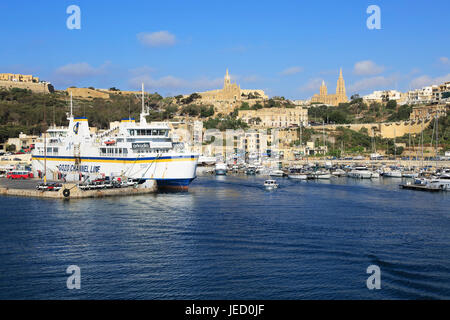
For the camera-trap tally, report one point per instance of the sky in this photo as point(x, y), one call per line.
point(286, 48)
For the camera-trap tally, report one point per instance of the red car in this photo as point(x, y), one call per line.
point(19, 175)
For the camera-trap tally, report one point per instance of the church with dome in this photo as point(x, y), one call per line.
point(230, 96)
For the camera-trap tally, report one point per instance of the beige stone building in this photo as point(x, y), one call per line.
point(332, 99)
point(18, 77)
point(24, 141)
point(10, 80)
point(275, 117)
point(428, 112)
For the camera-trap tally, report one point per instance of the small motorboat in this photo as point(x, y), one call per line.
point(393, 174)
point(375, 174)
point(410, 174)
point(322, 175)
point(297, 174)
point(339, 173)
point(251, 170)
point(360, 172)
point(277, 173)
point(270, 184)
point(221, 169)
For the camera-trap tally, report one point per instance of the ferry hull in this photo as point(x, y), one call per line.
point(168, 171)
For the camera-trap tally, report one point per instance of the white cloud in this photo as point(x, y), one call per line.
point(156, 39)
point(367, 68)
point(81, 70)
point(141, 70)
point(312, 85)
point(426, 80)
point(372, 83)
point(252, 78)
point(73, 73)
point(291, 70)
point(445, 61)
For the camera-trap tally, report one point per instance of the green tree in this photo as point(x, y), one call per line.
point(11, 148)
point(391, 105)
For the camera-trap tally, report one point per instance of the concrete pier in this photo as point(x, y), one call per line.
point(28, 190)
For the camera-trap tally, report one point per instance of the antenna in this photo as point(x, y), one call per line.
point(144, 112)
point(71, 105)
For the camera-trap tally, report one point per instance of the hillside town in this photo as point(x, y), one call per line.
point(231, 123)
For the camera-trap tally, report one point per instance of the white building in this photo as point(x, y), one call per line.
point(384, 96)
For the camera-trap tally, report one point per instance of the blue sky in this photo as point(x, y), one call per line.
point(284, 47)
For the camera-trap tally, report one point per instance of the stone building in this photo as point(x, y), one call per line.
point(428, 112)
point(332, 99)
point(10, 80)
point(275, 117)
point(24, 141)
point(18, 77)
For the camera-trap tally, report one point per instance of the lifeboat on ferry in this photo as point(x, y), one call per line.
point(110, 142)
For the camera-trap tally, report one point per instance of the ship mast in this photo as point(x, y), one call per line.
point(71, 106)
point(144, 112)
point(143, 102)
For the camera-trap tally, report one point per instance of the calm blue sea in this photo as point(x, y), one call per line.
point(228, 238)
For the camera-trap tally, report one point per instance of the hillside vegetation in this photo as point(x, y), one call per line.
point(357, 111)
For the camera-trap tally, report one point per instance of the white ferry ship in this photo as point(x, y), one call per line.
point(134, 150)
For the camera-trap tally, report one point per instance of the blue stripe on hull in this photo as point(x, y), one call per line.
point(173, 182)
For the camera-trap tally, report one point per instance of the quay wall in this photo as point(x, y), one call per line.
point(76, 193)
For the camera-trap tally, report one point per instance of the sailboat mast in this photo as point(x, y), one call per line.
point(437, 139)
point(409, 146)
point(395, 146)
point(421, 138)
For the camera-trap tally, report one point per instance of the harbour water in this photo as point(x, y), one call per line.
point(229, 238)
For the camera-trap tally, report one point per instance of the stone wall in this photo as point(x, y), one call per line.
point(87, 93)
point(385, 130)
point(39, 87)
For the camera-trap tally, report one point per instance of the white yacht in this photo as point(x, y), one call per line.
point(277, 173)
point(322, 175)
point(339, 173)
point(394, 173)
point(297, 174)
point(360, 172)
point(141, 151)
point(442, 182)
